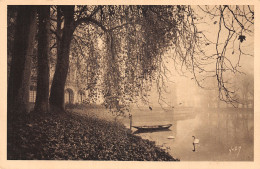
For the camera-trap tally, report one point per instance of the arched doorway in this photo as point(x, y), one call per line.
point(69, 96)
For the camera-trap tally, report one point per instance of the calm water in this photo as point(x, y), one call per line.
point(224, 135)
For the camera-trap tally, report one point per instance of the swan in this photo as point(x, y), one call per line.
point(195, 141)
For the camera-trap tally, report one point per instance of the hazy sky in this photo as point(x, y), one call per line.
point(187, 89)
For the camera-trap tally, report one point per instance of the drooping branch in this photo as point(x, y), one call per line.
point(140, 36)
point(90, 20)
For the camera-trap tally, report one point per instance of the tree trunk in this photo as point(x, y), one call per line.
point(20, 71)
point(42, 97)
point(59, 79)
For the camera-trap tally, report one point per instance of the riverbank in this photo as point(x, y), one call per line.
point(76, 136)
point(224, 134)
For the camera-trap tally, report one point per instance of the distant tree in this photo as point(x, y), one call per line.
point(245, 90)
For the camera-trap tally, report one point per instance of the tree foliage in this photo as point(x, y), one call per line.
point(135, 39)
point(120, 51)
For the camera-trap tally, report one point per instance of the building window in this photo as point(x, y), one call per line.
point(81, 96)
point(66, 97)
point(69, 96)
point(32, 96)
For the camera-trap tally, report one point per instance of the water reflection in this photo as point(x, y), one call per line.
point(224, 134)
point(228, 135)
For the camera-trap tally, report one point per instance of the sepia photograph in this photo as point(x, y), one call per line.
point(129, 82)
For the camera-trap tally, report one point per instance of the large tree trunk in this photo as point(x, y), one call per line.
point(20, 71)
point(42, 97)
point(59, 79)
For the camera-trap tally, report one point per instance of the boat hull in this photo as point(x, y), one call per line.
point(153, 128)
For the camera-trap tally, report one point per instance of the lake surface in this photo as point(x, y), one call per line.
point(224, 134)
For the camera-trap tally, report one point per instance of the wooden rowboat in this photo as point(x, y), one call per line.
point(153, 127)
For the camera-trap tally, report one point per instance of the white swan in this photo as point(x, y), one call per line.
point(195, 141)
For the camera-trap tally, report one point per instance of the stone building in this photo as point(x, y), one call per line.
point(74, 92)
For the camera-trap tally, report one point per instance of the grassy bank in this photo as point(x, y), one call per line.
point(74, 136)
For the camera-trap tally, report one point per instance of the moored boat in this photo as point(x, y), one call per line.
point(153, 127)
